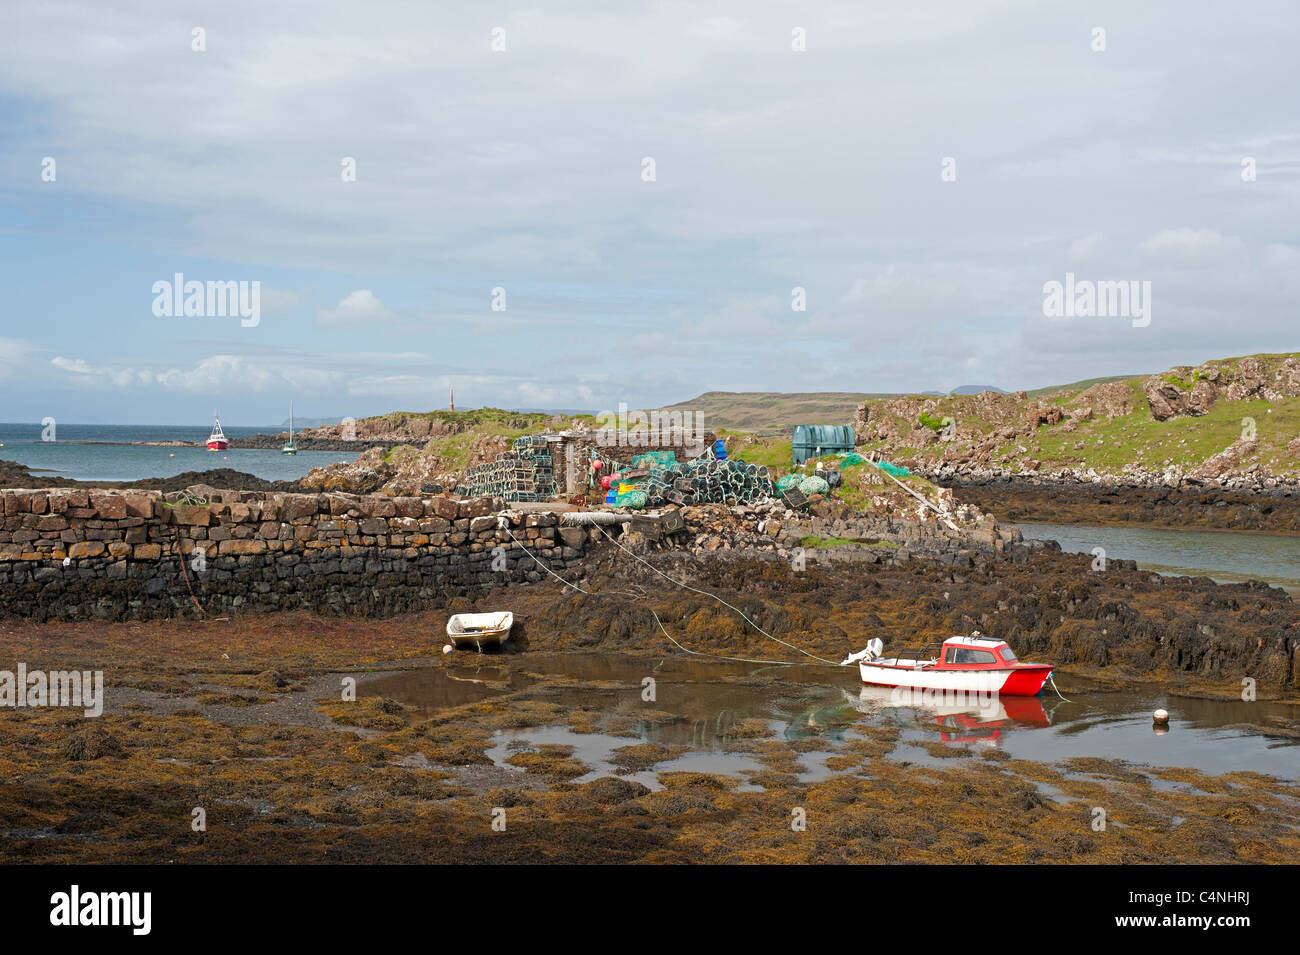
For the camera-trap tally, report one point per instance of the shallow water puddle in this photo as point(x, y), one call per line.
point(431, 689)
point(713, 709)
point(596, 750)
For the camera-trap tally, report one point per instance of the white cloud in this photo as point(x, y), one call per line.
point(74, 365)
point(776, 169)
point(359, 307)
point(1191, 244)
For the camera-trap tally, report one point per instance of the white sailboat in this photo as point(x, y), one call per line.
point(290, 448)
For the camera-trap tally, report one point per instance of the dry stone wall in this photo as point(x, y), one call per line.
point(69, 554)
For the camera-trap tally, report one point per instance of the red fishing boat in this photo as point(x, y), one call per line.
point(217, 439)
point(972, 664)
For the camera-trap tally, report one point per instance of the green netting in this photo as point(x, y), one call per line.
point(814, 485)
point(851, 459)
point(632, 499)
point(789, 481)
point(893, 469)
point(652, 459)
point(701, 481)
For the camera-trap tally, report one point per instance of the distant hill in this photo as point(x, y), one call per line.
point(1079, 385)
point(771, 411)
point(975, 389)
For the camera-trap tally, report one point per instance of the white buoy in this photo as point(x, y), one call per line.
point(447, 648)
point(1160, 717)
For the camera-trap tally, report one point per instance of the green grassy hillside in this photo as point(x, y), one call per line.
point(1228, 415)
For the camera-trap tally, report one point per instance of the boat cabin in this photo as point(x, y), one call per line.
point(976, 651)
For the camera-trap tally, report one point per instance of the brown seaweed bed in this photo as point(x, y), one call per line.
point(243, 719)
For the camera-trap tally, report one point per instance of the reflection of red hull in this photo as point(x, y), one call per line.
point(1026, 710)
point(218, 445)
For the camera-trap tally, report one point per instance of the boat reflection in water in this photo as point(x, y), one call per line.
point(962, 716)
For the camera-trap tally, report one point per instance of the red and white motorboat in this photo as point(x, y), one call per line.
point(217, 439)
point(973, 664)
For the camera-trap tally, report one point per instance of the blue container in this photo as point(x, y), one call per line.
point(809, 440)
point(720, 449)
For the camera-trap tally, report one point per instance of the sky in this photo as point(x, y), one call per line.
point(659, 199)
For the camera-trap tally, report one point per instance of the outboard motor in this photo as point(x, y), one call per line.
point(873, 650)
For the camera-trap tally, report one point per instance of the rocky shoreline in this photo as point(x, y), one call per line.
point(274, 442)
point(14, 475)
point(247, 721)
point(1267, 507)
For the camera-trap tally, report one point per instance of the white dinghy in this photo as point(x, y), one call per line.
point(480, 629)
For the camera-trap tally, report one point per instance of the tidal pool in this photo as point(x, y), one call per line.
point(711, 709)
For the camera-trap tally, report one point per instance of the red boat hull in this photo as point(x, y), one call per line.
point(1020, 681)
point(218, 445)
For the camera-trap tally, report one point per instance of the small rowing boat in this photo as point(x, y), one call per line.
point(972, 664)
point(480, 629)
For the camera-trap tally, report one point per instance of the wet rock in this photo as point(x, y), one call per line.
point(610, 790)
point(92, 742)
point(271, 680)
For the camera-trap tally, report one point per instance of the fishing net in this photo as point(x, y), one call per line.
point(814, 485)
point(652, 459)
point(634, 499)
point(893, 469)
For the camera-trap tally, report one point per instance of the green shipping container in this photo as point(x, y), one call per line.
point(812, 439)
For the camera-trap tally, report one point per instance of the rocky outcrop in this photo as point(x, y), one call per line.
point(404, 469)
point(1187, 391)
point(1192, 505)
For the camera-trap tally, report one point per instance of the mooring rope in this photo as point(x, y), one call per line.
point(186, 499)
point(502, 523)
point(1051, 678)
point(721, 656)
point(705, 593)
point(180, 559)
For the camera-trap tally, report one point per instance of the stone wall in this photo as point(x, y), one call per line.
point(68, 554)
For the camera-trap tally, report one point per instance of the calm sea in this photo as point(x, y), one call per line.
point(1220, 555)
point(123, 462)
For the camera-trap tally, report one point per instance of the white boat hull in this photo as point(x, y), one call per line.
point(1023, 680)
point(480, 629)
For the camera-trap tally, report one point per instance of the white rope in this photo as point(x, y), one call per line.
point(700, 653)
point(503, 524)
point(705, 593)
